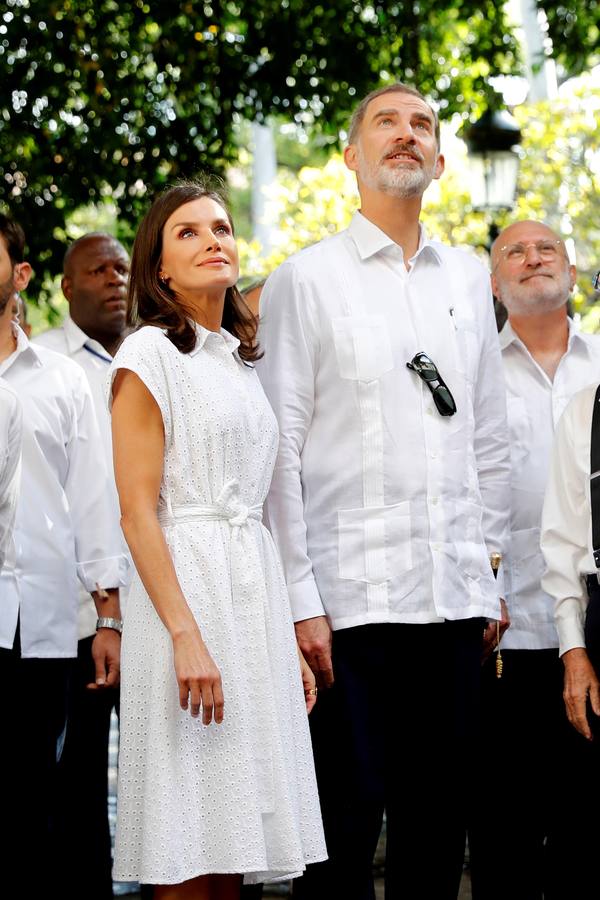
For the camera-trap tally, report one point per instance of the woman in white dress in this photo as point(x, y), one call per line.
point(216, 776)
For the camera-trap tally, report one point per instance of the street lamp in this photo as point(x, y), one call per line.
point(491, 143)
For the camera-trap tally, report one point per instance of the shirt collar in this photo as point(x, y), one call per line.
point(24, 346)
point(77, 339)
point(203, 334)
point(507, 336)
point(370, 239)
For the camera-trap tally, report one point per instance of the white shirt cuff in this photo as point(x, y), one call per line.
point(570, 634)
point(305, 600)
point(500, 582)
point(107, 573)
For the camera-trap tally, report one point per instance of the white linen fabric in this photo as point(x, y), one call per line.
point(71, 341)
point(382, 509)
point(11, 430)
point(241, 796)
point(567, 522)
point(534, 406)
point(63, 527)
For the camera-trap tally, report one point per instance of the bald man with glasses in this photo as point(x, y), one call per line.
point(521, 833)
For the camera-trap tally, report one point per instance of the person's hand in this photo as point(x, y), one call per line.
point(494, 631)
point(314, 640)
point(580, 683)
point(106, 653)
point(198, 677)
point(309, 682)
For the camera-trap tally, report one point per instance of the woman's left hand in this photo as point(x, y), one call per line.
point(308, 682)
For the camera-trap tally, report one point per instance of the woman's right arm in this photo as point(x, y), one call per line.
point(138, 448)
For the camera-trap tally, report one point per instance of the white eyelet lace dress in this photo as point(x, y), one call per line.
point(239, 797)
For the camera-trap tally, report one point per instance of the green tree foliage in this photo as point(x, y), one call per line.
point(113, 99)
point(574, 29)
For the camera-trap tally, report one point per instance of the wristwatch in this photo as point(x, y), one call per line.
point(106, 622)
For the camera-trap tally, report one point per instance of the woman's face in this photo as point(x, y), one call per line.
point(199, 253)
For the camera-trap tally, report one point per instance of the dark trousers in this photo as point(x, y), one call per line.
point(395, 733)
point(83, 774)
point(33, 698)
point(532, 798)
point(592, 640)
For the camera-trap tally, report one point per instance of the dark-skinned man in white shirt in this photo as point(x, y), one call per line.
point(94, 282)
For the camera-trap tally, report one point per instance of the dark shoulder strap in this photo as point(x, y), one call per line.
point(595, 478)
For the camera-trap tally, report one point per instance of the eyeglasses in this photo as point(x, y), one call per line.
point(427, 371)
point(517, 253)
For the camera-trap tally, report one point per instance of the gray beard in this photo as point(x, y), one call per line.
point(402, 183)
point(552, 296)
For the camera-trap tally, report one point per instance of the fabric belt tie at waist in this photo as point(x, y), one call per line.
point(237, 516)
point(227, 507)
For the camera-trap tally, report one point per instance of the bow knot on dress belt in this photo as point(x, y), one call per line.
point(226, 507)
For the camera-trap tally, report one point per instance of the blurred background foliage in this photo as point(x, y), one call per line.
point(106, 102)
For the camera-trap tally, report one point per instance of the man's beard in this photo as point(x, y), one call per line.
point(402, 181)
point(535, 300)
point(7, 292)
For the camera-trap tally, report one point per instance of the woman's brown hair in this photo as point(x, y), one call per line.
point(151, 302)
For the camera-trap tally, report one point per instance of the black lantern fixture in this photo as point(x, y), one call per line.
point(494, 162)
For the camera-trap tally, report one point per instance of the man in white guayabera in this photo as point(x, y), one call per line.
point(389, 495)
point(525, 732)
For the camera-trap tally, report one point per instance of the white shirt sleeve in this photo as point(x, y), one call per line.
point(566, 522)
point(289, 337)
point(98, 551)
point(492, 451)
point(10, 466)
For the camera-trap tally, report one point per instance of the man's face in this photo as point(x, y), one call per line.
point(531, 273)
point(396, 151)
point(95, 284)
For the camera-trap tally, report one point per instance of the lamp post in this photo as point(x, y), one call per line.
point(491, 143)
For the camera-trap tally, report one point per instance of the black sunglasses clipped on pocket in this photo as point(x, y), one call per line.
point(427, 371)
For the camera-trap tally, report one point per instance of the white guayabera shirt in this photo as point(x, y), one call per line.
point(64, 527)
point(567, 521)
point(11, 427)
point(95, 361)
point(534, 405)
point(382, 509)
